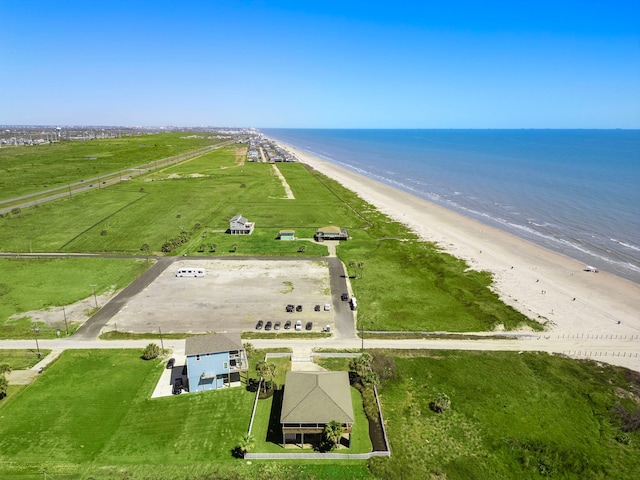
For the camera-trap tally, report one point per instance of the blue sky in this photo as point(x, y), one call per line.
point(325, 64)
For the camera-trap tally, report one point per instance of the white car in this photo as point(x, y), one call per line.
point(298, 326)
point(327, 307)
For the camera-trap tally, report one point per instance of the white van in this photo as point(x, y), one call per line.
point(190, 272)
point(354, 303)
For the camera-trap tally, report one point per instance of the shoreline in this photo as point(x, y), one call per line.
point(542, 284)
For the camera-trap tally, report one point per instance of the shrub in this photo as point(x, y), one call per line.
point(16, 211)
point(151, 351)
point(103, 233)
point(440, 403)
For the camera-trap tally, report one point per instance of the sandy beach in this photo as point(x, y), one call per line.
point(542, 284)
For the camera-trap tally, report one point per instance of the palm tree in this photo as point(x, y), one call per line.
point(266, 369)
point(247, 442)
point(333, 432)
point(361, 267)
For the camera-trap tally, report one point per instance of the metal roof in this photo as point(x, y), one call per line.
point(317, 397)
point(214, 343)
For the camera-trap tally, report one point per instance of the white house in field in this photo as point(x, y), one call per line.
point(240, 226)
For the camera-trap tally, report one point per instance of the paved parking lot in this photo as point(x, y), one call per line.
point(233, 296)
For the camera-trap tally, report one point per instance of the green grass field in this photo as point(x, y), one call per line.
point(40, 283)
point(21, 359)
point(25, 170)
point(95, 420)
point(512, 416)
point(405, 285)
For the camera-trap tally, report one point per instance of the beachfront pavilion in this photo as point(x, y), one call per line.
point(312, 400)
point(331, 232)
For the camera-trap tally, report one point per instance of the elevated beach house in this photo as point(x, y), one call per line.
point(215, 361)
point(312, 400)
point(331, 232)
point(240, 226)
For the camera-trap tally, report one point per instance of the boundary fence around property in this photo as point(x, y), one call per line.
point(318, 456)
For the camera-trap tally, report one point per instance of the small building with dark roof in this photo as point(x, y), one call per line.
point(312, 400)
point(215, 361)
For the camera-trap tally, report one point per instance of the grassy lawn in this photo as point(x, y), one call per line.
point(268, 434)
point(28, 284)
point(21, 359)
point(29, 169)
point(512, 416)
point(90, 416)
point(405, 284)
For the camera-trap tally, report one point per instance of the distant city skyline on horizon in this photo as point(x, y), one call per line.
point(499, 65)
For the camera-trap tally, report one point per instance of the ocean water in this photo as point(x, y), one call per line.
point(576, 192)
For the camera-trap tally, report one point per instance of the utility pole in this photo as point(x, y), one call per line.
point(66, 326)
point(95, 299)
point(161, 343)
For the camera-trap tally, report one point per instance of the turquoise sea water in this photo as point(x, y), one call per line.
point(573, 191)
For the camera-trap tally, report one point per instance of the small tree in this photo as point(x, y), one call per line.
point(333, 433)
point(361, 365)
point(249, 349)
point(266, 369)
point(5, 368)
point(440, 403)
point(4, 384)
point(361, 267)
point(247, 442)
point(151, 351)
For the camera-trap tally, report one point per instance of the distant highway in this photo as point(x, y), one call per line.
point(100, 181)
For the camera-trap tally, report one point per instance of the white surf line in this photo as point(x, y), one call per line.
point(286, 186)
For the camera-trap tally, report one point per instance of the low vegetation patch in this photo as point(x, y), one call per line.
point(40, 284)
point(511, 415)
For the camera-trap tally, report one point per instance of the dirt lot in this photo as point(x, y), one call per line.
point(232, 296)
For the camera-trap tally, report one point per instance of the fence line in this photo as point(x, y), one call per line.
point(384, 430)
point(585, 353)
point(315, 456)
point(255, 404)
point(320, 456)
point(600, 336)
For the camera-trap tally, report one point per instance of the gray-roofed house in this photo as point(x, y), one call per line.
point(240, 226)
point(312, 400)
point(215, 361)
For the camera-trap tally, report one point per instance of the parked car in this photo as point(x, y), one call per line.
point(287, 325)
point(327, 307)
point(298, 325)
point(177, 386)
point(268, 326)
point(299, 308)
point(345, 297)
point(259, 325)
point(276, 326)
point(170, 363)
point(317, 308)
point(309, 326)
point(290, 308)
